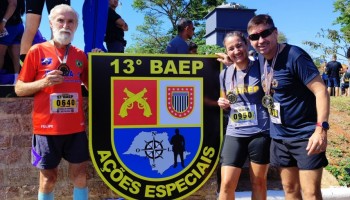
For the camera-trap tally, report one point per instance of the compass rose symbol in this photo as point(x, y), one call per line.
point(154, 149)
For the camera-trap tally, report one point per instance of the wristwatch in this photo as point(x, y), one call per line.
point(324, 125)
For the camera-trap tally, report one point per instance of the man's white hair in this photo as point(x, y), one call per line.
point(62, 7)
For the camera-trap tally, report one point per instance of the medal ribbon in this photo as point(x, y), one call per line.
point(234, 74)
point(269, 76)
point(65, 57)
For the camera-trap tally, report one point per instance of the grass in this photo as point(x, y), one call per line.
point(341, 104)
point(338, 151)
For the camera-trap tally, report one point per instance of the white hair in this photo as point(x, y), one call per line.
point(62, 7)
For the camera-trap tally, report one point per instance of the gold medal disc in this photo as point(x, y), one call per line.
point(64, 69)
point(267, 101)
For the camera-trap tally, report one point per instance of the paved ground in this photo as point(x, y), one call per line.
point(207, 192)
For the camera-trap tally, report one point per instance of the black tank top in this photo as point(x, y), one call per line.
point(16, 17)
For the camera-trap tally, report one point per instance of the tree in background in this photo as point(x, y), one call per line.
point(153, 37)
point(343, 7)
point(339, 40)
point(338, 44)
point(282, 37)
point(154, 34)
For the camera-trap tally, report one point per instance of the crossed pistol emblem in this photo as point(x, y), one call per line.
point(129, 103)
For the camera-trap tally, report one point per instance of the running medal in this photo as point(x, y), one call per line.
point(267, 101)
point(64, 69)
point(232, 98)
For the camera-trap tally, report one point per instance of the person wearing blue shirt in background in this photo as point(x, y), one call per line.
point(333, 69)
point(179, 45)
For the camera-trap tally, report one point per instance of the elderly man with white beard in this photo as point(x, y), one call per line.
point(53, 72)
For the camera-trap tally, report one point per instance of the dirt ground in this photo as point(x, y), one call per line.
point(338, 137)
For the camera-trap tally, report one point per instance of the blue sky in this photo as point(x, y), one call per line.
point(299, 20)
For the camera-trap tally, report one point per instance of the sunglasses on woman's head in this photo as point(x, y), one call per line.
point(262, 34)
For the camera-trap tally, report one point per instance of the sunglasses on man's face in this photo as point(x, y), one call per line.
point(262, 34)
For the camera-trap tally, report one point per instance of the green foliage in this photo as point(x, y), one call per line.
point(341, 172)
point(335, 152)
point(153, 38)
point(340, 40)
point(343, 7)
point(210, 49)
point(341, 104)
point(149, 45)
point(318, 63)
point(282, 37)
point(340, 169)
point(343, 138)
point(338, 43)
point(174, 10)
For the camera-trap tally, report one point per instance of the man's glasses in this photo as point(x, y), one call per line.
point(262, 34)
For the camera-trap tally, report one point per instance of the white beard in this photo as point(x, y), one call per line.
point(62, 36)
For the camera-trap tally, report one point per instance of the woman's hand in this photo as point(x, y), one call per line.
point(223, 103)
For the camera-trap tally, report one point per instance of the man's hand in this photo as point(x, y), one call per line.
point(224, 59)
point(97, 50)
point(53, 77)
point(317, 142)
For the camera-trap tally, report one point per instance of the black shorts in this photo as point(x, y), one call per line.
point(333, 82)
point(37, 6)
point(286, 153)
point(346, 85)
point(236, 150)
point(48, 150)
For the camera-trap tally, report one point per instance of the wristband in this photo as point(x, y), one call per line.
point(4, 20)
point(324, 125)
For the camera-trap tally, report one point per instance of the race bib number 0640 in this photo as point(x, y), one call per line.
point(64, 103)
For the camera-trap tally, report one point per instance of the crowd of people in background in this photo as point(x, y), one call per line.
point(336, 77)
